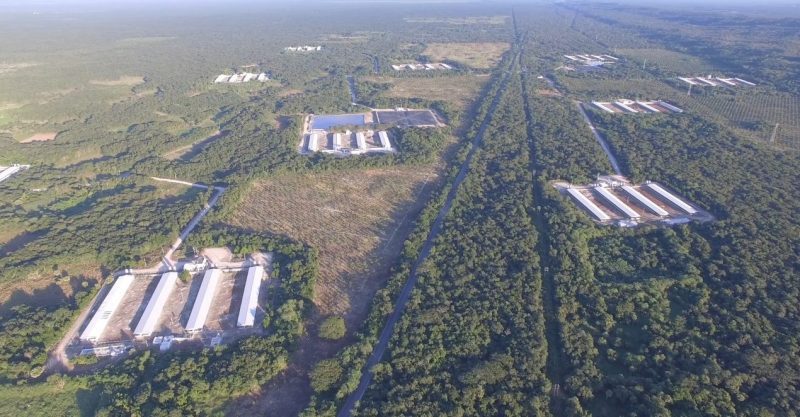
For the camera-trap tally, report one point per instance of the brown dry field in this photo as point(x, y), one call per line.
point(352, 218)
point(358, 221)
point(125, 80)
point(40, 137)
point(476, 55)
point(459, 90)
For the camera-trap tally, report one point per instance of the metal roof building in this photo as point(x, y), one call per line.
point(147, 324)
point(644, 200)
point(613, 199)
point(102, 316)
point(197, 319)
point(247, 312)
point(361, 140)
point(9, 172)
point(671, 198)
point(385, 140)
point(588, 204)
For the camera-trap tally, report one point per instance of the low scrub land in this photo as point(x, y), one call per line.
point(459, 90)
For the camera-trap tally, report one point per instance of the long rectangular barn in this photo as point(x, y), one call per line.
point(613, 199)
point(202, 304)
point(247, 311)
point(671, 198)
point(152, 313)
point(589, 205)
point(102, 316)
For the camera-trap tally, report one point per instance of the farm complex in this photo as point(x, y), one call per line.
point(716, 81)
point(613, 200)
point(422, 67)
point(220, 302)
point(244, 77)
point(636, 106)
point(360, 133)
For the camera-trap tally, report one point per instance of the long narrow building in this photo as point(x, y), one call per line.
point(247, 311)
point(613, 199)
point(202, 304)
point(8, 172)
point(671, 198)
point(152, 313)
point(644, 200)
point(102, 316)
point(588, 204)
point(385, 140)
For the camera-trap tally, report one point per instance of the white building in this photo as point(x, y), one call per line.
point(152, 313)
point(247, 311)
point(361, 140)
point(102, 316)
point(619, 204)
point(202, 304)
point(9, 171)
point(671, 198)
point(588, 204)
point(644, 200)
point(385, 140)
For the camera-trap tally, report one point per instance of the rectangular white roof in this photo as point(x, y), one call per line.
point(247, 311)
point(197, 319)
point(672, 198)
point(152, 313)
point(744, 81)
point(613, 199)
point(604, 106)
point(644, 200)
point(385, 139)
point(676, 109)
point(648, 106)
point(588, 204)
point(8, 172)
point(688, 80)
point(107, 308)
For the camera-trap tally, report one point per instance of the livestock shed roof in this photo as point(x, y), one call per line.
point(102, 316)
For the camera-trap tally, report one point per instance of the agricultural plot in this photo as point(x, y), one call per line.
point(474, 55)
point(613, 200)
point(459, 90)
point(626, 106)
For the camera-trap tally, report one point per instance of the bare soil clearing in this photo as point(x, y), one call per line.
point(40, 137)
point(358, 221)
point(460, 90)
point(476, 55)
point(125, 80)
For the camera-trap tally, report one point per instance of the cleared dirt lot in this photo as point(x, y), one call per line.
point(482, 55)
point(460, 90)
point(358, 220)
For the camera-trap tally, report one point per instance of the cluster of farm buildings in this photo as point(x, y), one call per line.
point(304, 48)
point(350, 134)
point(715, 81)
point(636, 106)
point(420, 67)
point(8, 172)
point(592, 60)
point(244, 77)
point(614, 199)
point(108, 324)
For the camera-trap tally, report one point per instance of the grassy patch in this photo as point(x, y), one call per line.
point(458, 90)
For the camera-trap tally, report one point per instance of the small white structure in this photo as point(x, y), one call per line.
point(676, 109)
point(644, 200)
point(588, 204)
point(102, 316)
point(197, 319)
point(604, 106)
point(671, 198)
point(304, 48)
point(247, 311)
point(619, 204)
point(222, 78)
point(147, 324)
point(648, 106)
point(262, 77)
point(314, 140)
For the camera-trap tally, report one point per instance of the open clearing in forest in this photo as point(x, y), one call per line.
point(458, 90)
point(125, 80)
point(40, 137)
point(476, 55)
point(358, 221)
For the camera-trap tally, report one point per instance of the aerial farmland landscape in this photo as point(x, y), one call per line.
point(400, 208)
